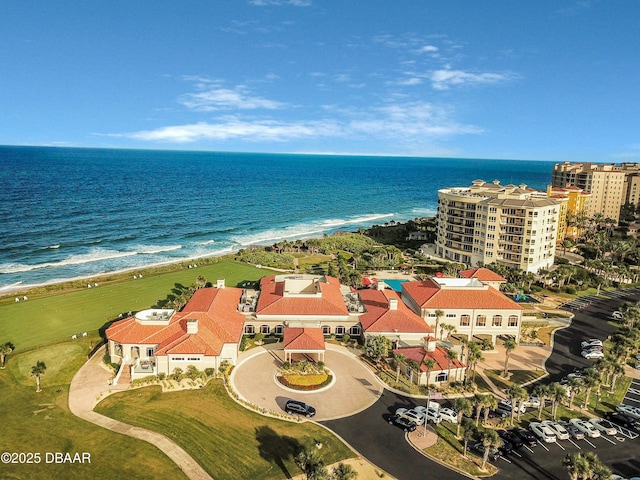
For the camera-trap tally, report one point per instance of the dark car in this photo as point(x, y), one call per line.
point(526, 436)
point(403, 422)
point(511, 437)
point(500, 413)
point(299, 408)
point(623, 420)
point(478, 448)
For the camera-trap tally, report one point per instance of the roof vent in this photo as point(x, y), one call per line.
point(220, 283)
point(393, 304)
point(192, 326)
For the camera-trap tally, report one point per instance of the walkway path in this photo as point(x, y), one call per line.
point(91, 384)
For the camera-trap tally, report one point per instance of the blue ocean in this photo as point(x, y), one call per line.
point(70, 212)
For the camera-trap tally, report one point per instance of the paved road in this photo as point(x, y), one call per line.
point(384, 444)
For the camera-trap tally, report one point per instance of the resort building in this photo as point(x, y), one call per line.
point(472, 307)
point(446, 369)
point(487, 222)
point(486, 276)
point(575, 205)
point(204, 334)
point(605, 182)
point(304, 301)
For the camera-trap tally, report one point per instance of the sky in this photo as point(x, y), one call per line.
point(545, 80)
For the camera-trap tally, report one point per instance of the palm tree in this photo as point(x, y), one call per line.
point(478, 403)
point(490, 403)
point(311, 464)
point(450, 357)
point(509, 346)
point(439, 314)
point(468, 432)
point(590, 379)
point(5, 349)
point(516, 393)
point(450, 329)
point(577, 465)
point(343, 471)
point(575, 386)
point(36, 371)
point(618, 371)
point(429, 364)
point(464, 407)
point(557, 394)
point(542, 392)
point(490, 439)
point(399, 358)
point(473, 357)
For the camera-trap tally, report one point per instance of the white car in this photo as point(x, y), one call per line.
point(414, 415)
point(532, 402)
point(448, 415)
point(430, 414)
point(542, 432)
point(592, 342)
point(605, 426)
point(617, 315)
point(630, 410)
point(592, 354)
point(506, 405)
point(585, 427)
point(559, 430)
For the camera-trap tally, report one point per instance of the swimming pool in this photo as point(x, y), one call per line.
point(396, 284)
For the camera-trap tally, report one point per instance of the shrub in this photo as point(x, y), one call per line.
point(209, 372)
point(177, 374)
point(192, 372)
point(162, 376)
point(346, 338)
point(258, 337)
point(106, 358)
point(570, 290)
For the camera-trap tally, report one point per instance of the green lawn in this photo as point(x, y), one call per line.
point(41, 422)
point(229, 441)
point(518, 377)
point(58, 316)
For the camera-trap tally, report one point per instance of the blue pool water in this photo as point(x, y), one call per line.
point(395, 284)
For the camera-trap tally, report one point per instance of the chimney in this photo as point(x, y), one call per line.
point(430, 344)
point(192, 326)
point(220, 283)
point(393, 304)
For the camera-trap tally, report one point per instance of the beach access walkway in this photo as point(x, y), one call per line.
point(91, 384)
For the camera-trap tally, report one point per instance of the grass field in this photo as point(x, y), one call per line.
point(58, 316)
point(229, 441)
point(41, 422)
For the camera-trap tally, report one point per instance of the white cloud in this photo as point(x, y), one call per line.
point(445, 78)
point(410, 81)
point(214, 98)
point(429, 49)
point(231, 128)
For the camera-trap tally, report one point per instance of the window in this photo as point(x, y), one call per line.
point(193, 359)
point(249, 329)
point(465, 320)
point(432, 315)
point(117, 348)
point(481, 321)
point(442, 377)
point(178, 359)
point(355, 330)
point(278, 329)
point(150, 351)
point(326, 330)
point(513, 320)
point(339, 330)
point(265, 329)
point(451, 315)
point(497, 321)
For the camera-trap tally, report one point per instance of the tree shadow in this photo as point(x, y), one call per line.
point(276, 448)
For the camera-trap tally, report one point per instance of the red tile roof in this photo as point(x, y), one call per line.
point(428, 294)
point(307, 339)
point(272, 300)
point(379, 318)
point(219, 322)
point(483, 274)
point(419, 354)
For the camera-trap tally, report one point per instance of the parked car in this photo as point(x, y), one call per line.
point(511, 437)
point(506, 405)
point(617, 315)
point(403, 422)
point(622, 419)
point(526, 436)
point(630, 410)
point(605, 426)
point(499, 413)
point(299, 408)
point(591, 354)
point(559, 430)
point(414, 414)
point(532, 402)
point(573, 431)
point(592, 342)
point(479, 448)
point(585, 427)
point(543, 432)
point(448, 415)
point(506, 448)
point(430, 414)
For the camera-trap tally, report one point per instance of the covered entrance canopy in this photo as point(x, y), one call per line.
point(305, 341)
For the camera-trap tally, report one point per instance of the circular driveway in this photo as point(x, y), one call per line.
point(355, 387)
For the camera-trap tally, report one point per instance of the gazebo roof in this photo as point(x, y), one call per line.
point(304, 339)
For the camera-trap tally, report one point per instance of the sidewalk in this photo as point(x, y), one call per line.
point(91, 384)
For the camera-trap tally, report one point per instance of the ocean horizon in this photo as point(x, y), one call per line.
point(69, 213)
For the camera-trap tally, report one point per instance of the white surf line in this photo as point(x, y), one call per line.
point(590, 443)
